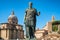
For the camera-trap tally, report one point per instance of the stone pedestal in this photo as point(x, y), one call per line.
point(30, 39)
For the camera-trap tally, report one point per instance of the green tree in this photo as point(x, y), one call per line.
point(54, 28)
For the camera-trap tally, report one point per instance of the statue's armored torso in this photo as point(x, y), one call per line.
point(30, 14)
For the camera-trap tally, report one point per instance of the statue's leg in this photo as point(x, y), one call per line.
point(33, 28)
point(32, 36)
point(27, 31)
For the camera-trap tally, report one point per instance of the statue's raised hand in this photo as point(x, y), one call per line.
point(38, 13)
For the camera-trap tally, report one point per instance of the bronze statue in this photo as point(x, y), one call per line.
point(30, 21)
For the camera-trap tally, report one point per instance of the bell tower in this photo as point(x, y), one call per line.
point(53, 18)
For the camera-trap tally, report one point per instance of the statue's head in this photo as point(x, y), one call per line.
point(30, 4)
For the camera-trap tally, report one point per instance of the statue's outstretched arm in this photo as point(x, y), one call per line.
point(38, 13)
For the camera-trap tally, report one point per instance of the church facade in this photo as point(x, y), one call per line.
point(11, 29)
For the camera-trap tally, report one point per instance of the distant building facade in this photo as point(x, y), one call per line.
point(11, 29)
point(51, 31)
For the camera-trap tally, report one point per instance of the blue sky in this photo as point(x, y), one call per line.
point(48, 8)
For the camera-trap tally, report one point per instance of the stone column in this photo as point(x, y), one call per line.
point(49, 25)
point(14, 34)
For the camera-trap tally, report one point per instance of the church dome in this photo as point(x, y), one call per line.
point(12, 18)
